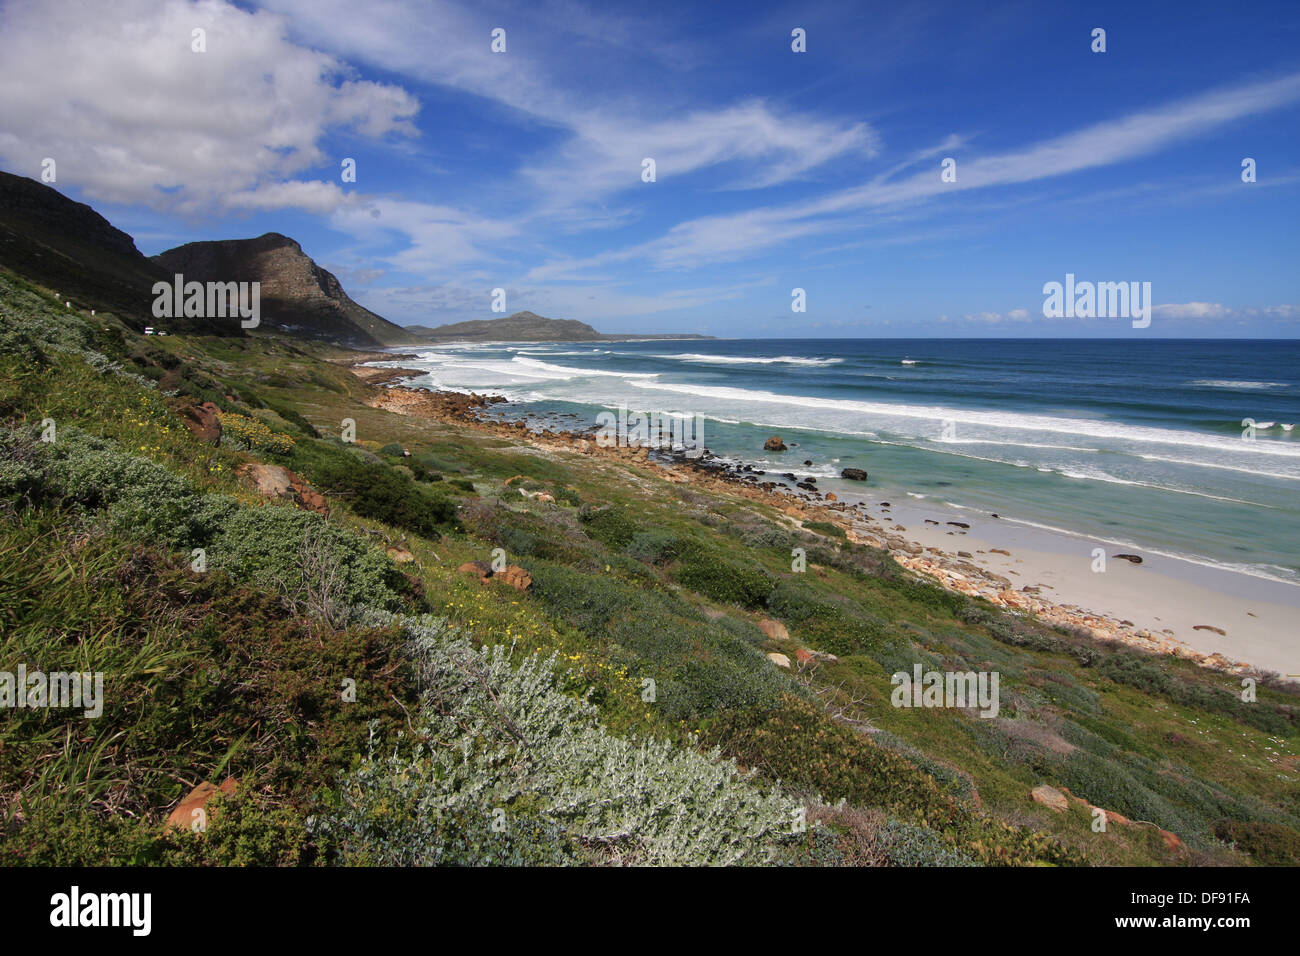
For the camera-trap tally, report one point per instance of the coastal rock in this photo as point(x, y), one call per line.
point(184, 817)
point(774, 444)
point(853, 474)
point(1135, 559)
point(780, 660)
point(269, 481)
point(774, 629)
point(1050, 797)
point(203, 420)
point(959, 524)
point(1208, 627)
point(481, 569)
point(274, 481)
point(516, 577)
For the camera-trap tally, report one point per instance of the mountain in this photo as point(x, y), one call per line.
point(525, 327)
point(69, 248)
point(297, 295)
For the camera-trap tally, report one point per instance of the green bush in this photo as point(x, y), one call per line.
point(725, 580)
point(377, 491)
point(1272, 844)
point(654, 547)
point(609, 525)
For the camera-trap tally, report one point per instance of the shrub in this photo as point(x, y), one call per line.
point(255, 435)
point(725, 580)
point(379, 491)
point(501, 736)
point(653, 547)
point(609, 525)
point(825, 527)
point(1272, 844)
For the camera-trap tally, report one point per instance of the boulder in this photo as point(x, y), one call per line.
point(203, 420)
point(780, 660)
point(516, 577)
point(184, 816)
point(774, 629)
point(774, 444)
point(400, 555)
point(1050, 797)
point(269, 481)
point(307, 497)
point(853, 474)
point(481, 569)
point(273, 481)
point(1132, 558)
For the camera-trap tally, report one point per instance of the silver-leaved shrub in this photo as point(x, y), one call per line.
point(497, 740)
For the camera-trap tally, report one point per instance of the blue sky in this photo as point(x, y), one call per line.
point(775, 170)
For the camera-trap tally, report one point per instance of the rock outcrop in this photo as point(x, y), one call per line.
point(297, 295)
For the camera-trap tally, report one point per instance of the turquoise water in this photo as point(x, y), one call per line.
point(1138, 443)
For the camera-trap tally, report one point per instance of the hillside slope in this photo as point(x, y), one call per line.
point(70, 249)
point(297, 295)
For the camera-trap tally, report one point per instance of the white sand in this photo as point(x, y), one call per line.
point(1167, 596)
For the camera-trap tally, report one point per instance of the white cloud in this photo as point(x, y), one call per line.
point(1191, 310)
point(114, 93)
point(725, 237)
point(605, 133)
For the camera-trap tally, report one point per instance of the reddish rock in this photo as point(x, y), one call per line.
point(1172, 843)
point(774, 629)
point(184, 816)
point(774, 444)
point(481, 569)
point(516, 577)
point(1050, 797)
point(203, 420)
point(804, 656)
point(307, 497)
point(273, 481)
point(269, 481)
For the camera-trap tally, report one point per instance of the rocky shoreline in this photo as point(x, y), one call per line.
point(798, 500)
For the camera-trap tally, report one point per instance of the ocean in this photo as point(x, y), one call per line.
point(1140, 444)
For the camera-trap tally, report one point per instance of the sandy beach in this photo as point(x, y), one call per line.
point(1174, 605)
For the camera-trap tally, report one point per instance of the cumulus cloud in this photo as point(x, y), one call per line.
point(1191, 310)
point(131, 114)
